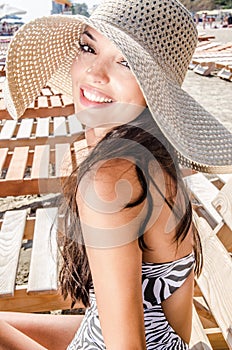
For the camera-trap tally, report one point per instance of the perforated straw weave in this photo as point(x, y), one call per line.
point(158, 39)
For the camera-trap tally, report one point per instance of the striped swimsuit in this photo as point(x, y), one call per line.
point(159, 281)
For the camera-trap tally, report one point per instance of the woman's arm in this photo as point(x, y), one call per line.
point(114, 256)
point(50, 331)
point(12, 339)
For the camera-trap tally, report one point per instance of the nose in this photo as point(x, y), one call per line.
point(98, 73)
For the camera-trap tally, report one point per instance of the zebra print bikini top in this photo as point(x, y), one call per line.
point(160, 280)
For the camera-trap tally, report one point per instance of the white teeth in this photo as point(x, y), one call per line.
point(94, 98)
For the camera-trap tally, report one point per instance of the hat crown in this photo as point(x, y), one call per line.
point(164, 28)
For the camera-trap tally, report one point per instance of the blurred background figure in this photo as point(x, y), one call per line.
point(229, 20)
point(59, 6)
point(9, 19)
point(204, 19)
point(196, 18)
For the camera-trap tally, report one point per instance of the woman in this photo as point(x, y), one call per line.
point(129, 247)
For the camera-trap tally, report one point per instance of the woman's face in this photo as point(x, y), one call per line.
point(103, 83)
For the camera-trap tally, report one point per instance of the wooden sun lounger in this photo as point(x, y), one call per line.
point(215, 283)
point(38, 131)
point(199, 339)
point(41, 293)
point(211, 49)
point(203, 192)
point(225, 71)
point(213, 296)
point(227, 64)
point(206, 65)
point(2, 69)
point(210, 57)
point(37, 171)
point(205, 37)
point(49, 103)
point(207, 46)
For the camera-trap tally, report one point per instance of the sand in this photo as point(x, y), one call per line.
point(213, 93)
point(222, 35)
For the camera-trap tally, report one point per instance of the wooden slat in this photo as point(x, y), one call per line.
point(40, 166)
point(44, 264)
point(207, 46)
point(22, 302)
point(43, 170)
point(2, 70)
point(2, 108)
point(33, 112)
point(225, 73)
point(215, 280)
point(66, 100)
point(224, 177)
point(10, 242)
point(204, 191)
point(55, 101)
point(204, 37)
point(216, 338)
point(39, 170)
point(223, 203)
point(204, 312)
point(42, 102)
point(8, 129)
point(225, 235)
point(18, 163)
point(42, 129)
point(199, 340)
point(59, 126)
point(63, 160)
point(81, 150)
point(3, 155)
point(46, 91)
point(59, 132)
point(75, 126)
point(25, 129)
point(18, 299)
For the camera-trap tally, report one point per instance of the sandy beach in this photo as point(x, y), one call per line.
point(213, 93)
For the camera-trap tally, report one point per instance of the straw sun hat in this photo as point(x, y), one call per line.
point(158, 39)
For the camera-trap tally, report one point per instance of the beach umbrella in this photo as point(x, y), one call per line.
point(12, 17)
point(11, 21)
point(6, 10)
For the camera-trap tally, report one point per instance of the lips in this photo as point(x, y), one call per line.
point(92, 97)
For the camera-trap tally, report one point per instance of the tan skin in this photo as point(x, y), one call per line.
point(120, 259)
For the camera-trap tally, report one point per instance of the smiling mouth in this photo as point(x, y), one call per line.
point(95, 98)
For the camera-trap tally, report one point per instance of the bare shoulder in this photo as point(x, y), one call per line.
point(102, 199)
point(115, 179)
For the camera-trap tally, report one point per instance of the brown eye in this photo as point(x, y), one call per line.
point(87, 48)
point(125, 64)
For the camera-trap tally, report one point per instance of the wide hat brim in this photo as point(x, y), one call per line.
point(42, 52)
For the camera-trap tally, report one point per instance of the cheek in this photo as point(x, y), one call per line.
point(130, 91)
point(135, 95)
point(141, 99)
point(76, 70)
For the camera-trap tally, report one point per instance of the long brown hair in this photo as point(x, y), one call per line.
point(142, 134)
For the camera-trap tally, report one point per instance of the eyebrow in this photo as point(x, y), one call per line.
point(89, 35)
